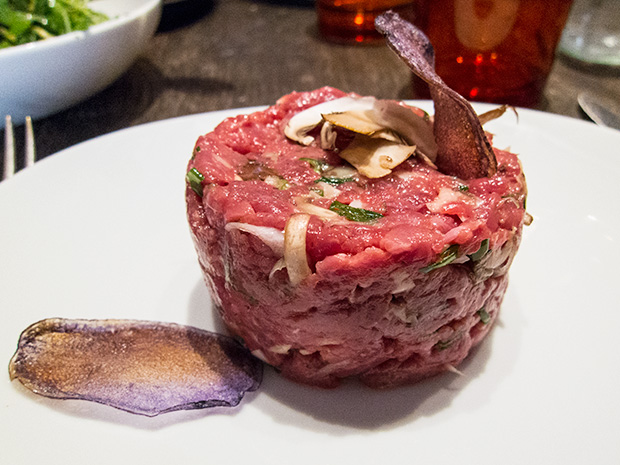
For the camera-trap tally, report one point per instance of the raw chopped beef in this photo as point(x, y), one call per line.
point(403, 294)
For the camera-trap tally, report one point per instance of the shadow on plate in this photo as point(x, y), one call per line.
point(357, 407)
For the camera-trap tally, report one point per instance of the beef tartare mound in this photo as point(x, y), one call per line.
point(334, 246)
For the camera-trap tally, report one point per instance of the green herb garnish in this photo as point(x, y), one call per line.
point(195, 178)
point(196, 150)
point(481, 252)
point(443, 345)
point(484, 316)
point(334, 181)
point(279, 183)
point(354, 214)
point(445, 258)
point(463, 188)
point(317, 165)
point(23, 21)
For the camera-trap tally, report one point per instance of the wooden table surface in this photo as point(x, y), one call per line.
point(239, 53)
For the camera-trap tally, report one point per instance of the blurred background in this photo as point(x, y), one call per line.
point(216, 54)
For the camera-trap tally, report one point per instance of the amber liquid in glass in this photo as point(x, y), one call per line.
point(351, 21)
point(494, 50)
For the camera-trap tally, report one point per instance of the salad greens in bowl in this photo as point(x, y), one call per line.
point(24, 21)
point(56, 53)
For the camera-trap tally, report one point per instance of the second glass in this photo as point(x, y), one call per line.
point(353, 21)
point(497, 51)
point(592, 34)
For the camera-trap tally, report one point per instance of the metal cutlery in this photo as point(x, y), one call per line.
point(9, 147)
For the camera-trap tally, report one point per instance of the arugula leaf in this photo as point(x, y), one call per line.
point(334, 181)
point(484, 316)
point(443, 345)
point(23, 21)
point(317, 165)
point(194, 178)
point(445, 258)
point(354, 214)
point(481, 252)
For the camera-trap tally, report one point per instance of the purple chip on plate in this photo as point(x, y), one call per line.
point(142, 367)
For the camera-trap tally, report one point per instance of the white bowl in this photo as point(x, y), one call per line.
point(45, 77)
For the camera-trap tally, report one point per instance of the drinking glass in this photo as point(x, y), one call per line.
point(592, 33)
point(495, 50)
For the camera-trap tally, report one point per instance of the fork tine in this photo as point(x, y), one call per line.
point(9, 149)
point(30, 149)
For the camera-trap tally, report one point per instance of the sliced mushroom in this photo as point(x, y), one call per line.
point(302, 123)
point(328, 137)
point(386, 132)
point(414, 129)
point(375, 158)
point(361, 122)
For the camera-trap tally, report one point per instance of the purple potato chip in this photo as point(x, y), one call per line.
point(141, 367)
point(462, 147)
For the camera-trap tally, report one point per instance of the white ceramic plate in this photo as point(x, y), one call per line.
point(42, 78)
point(99, 231)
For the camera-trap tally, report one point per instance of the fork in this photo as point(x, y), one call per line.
point(9, 147)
